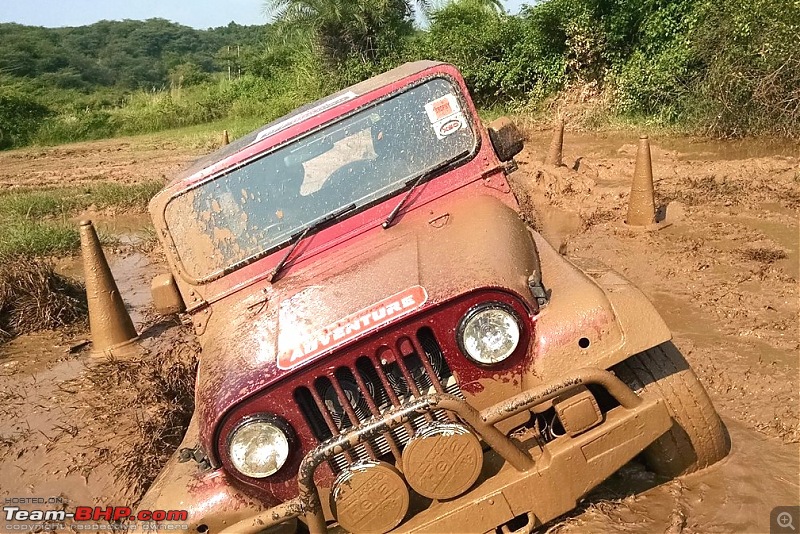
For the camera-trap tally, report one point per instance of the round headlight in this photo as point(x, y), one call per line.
point(489, 333)
point(258, 448)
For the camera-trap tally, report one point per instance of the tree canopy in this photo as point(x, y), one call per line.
point(128, 54)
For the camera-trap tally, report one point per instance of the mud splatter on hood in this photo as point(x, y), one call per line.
point(477, 242)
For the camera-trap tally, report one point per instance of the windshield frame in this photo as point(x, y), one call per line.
point(429, 174)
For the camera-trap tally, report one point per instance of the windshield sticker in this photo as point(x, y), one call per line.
point(442, 108)
point(450, 125)
point(300, 117)
point(309, 345)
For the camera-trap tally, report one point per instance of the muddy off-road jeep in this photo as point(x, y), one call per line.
point(386, 343)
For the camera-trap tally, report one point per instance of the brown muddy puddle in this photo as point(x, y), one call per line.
point(38, 386)
point(614, 143)
point(132, 269)
point(734, 495)
point(762, 471)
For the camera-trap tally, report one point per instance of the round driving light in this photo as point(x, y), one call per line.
point(258, 448)
point(489, 333)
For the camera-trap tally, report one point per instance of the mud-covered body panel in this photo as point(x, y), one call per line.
point(243, 338)
point(595, 317)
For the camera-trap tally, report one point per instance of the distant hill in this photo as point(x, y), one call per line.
point(128, 54)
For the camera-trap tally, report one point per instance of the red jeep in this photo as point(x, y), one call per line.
point(387, 345)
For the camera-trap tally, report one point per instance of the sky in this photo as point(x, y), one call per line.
point(199, 14)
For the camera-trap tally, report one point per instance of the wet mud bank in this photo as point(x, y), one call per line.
point(724, 276)
point(71, 424)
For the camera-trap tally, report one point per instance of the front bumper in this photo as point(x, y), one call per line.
point(518, 478)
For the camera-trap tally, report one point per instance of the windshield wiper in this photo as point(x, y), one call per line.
point(299, 236)
point(388, 222)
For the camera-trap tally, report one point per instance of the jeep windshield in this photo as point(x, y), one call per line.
point(371, 155)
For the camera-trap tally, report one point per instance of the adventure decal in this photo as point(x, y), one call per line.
point(355, 325)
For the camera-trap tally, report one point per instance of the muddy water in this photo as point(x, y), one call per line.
point(39, 380)
point(735, 319)
point(132, 269)
point(685, 148)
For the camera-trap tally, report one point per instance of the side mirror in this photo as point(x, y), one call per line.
point(167, 299)
point(506, 139)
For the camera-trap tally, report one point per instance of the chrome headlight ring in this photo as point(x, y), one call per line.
point(489, 333)
point(260, 445)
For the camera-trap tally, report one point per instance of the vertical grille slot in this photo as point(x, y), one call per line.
point(410, 367)
point(349, 398)
point(414, 380)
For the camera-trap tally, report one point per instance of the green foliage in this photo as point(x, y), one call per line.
point(34, 238)
point(503, 58)
point(752, 83)
point(127, 54)
point(20, 115)
point(727, 67)
point(352, 37)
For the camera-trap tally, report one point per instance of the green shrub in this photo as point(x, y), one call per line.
point(751, 84)
point(20, 117)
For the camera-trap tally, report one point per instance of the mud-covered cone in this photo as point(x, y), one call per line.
point(225, 139)
point(641, 205)
point(111, 326)
point(554, 152)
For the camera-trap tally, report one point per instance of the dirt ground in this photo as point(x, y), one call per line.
point(724, 275)
point(131, 160)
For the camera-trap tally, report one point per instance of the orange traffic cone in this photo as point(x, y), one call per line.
point(554, 152)
point(225, 139)
point(641, 205)
point(111, 327)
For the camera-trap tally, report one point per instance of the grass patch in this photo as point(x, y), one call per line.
point(28, 237)
point(42, 203)
point(34, 297)
point(35, 222)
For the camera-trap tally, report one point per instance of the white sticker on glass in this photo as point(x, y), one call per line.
point(450, 125)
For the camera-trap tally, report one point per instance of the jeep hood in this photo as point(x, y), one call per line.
point(268, 331)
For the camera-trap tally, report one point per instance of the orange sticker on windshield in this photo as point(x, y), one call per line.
point(353, 326)
point(443, 107)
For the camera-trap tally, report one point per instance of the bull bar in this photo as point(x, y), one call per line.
point(308, 503)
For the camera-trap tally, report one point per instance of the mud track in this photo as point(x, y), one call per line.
point(724, 276)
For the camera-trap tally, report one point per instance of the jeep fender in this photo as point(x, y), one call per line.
point(594, 318)
point(208, 495)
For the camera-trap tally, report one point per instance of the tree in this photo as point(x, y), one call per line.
point(344, 29)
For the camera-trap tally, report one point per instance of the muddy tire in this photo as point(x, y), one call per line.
point(697, 438)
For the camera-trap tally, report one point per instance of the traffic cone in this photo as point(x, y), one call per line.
point(225, 139)
point(111, 327)
point(554, 153)
point(641, 204)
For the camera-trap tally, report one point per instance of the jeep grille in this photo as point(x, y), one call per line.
point(348, 395)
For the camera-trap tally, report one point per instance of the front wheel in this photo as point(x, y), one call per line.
point(697, 438)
